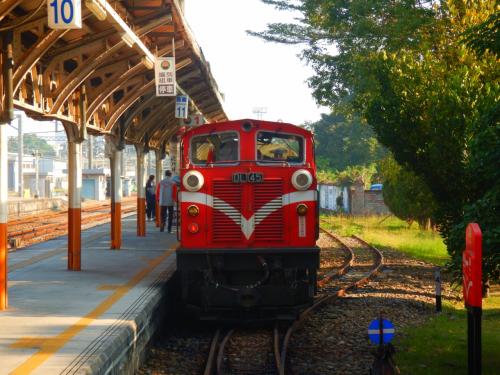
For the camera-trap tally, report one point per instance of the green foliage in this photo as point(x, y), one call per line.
point(364, 173)
point(404, 66)
point(31, 143)
point(342, 143)
point(393, 233)
point(406, 195)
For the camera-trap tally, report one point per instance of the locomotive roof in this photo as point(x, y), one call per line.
point(236, 125)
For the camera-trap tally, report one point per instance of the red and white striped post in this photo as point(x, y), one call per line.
point(159, 158)
point(74, 205)
point(3, 216)
point(116, 199)
point(141, 193)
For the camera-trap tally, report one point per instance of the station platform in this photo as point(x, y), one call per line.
point(95, 321)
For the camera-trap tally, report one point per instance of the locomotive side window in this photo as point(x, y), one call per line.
point(276, 147)
point(215, 148)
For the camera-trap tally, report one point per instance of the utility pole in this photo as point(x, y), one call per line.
point(91, 151)
point(20, 155)
point(36, 154)
point(259, 111)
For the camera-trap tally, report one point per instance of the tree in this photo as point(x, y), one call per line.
point(31, 144)
point(406, 195)
point(404, 67)
point(342, 142)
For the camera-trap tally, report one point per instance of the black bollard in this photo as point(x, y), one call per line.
point(437, 278)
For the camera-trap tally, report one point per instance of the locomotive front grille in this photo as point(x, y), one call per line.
point(269, 217)
point(268, 213)
point(227, 211)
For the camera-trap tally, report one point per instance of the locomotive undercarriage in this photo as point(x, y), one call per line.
point(247, 284)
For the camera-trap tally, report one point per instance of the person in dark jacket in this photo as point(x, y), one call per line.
point(150, 198)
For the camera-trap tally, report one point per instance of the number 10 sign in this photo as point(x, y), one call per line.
point(64, 14)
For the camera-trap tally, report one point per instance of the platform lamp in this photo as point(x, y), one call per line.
point(98, 7)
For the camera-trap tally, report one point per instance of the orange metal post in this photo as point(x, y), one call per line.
point(159, 156)
point(116, 199)
point(3, 266)
point(74, 210)
point(141, 194)
point(141, 217)
point(3, 217)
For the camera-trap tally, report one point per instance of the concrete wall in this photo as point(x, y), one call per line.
point(367, 202)
point(19, 207)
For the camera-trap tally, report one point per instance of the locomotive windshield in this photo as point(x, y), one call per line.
point(277, 147)
point(214, 148)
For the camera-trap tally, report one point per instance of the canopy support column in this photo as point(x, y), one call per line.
point(141, 196)
point(3, 216)
point(160, 155)
point(74, 201)
point(116, 199)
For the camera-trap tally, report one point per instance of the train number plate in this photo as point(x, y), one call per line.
point(253, 178)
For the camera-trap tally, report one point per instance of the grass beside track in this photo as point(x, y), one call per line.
point(391, 232)
point(440, 345)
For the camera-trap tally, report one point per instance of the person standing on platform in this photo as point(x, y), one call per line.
point(150, 198)
point(168, 193)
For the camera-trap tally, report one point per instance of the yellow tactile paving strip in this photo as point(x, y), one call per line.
point(49, 346)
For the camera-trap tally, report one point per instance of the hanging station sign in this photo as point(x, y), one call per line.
point(165, 76)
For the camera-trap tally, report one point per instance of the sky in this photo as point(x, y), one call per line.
point(250, 72)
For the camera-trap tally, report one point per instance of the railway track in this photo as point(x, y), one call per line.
point(29, 230)
point(357, 268)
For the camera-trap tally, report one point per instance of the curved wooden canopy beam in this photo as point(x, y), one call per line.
point(154, 121)
point(76, 77)
point(34, 54)
point(128, 102)
point(121, 81)
point(6, 6)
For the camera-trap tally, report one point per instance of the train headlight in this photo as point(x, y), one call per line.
point(302, 209)
point(193, 210)
point(193, 181)
point(302, 179)
point(193, 228)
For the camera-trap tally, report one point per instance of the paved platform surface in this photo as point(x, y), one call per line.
point(64, 322)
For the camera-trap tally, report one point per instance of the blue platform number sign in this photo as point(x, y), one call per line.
point(374, 331)
point(64, 14)
point(181, 106)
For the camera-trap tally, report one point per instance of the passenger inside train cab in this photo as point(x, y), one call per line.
point(228, 151)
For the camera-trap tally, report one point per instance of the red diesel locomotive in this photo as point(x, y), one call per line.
point(248, 220)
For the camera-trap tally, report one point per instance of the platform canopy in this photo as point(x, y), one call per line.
point(98, 75)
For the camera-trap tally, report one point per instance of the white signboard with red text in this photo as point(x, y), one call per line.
point(165, 76)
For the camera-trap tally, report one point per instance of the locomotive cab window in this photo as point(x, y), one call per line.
point(215, 148)
point(278, 147)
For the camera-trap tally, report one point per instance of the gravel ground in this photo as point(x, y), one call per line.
point(334, 339)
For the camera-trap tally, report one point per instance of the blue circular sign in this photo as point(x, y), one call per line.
point(387, 331)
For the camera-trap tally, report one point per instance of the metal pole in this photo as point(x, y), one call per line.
point(3, 216)
point(37, 191)
point(141, 199)
point(20, 154)
point(91, 151)
point(437, 278)
point(116, 199)
point(74, 203)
